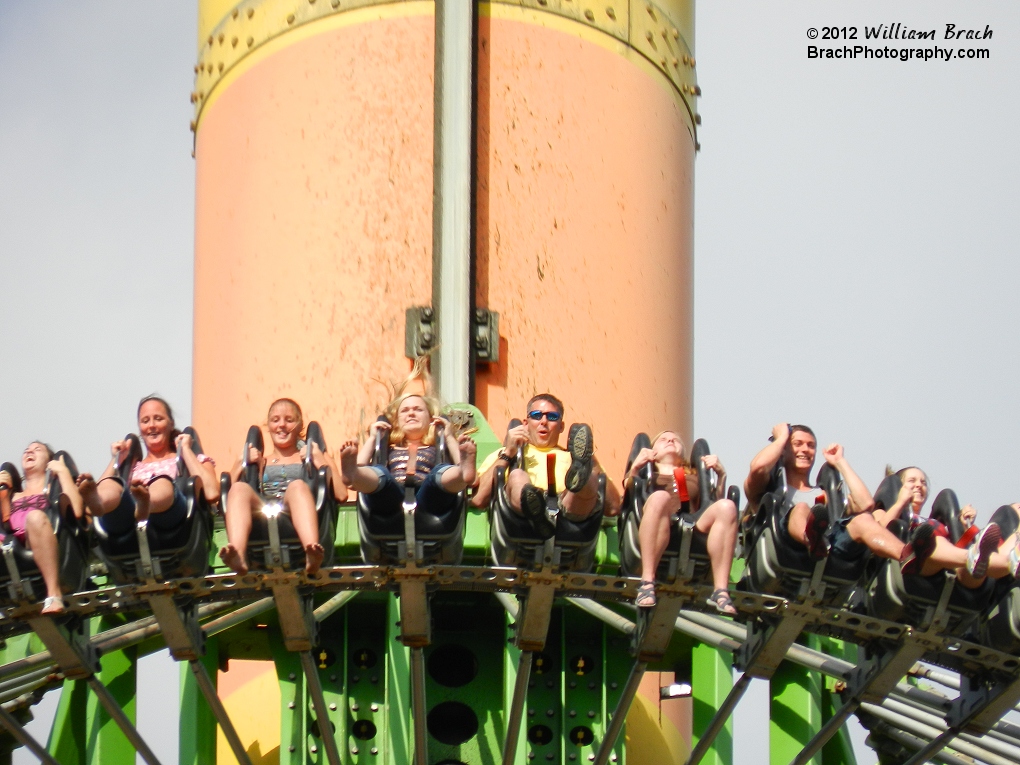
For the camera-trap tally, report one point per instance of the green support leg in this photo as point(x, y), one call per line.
point(399, 742)
point(197, 729)
point(795, 711)
point(70, 738)
point(83, 733)
point(711, 681)
point(840, 749)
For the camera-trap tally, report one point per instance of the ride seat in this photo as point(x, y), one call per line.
point(182, 551)
point(291, 553)
point(917, 599)
point(20, 579)
point(1002, 627)
point(515, 542)
point(779, 565)
point(437, 538)
point(686, 554)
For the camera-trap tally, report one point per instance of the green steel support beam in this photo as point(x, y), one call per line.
point(795, 710)
point(840, 749)
point(83, 733)
point(711, 681)
point(197, 730)
point(399, 741)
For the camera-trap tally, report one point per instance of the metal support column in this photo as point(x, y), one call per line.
point(533, 618)
point(421, 742)
point(451, 208)
point(872, 680)
point(654, 630)
point(77, 659)
point(300, 630)
point(24, 738)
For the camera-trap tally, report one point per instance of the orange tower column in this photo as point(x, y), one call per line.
point(313, 147)
point(584, 226)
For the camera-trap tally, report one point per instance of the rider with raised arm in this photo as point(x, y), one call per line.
point(576, 470)
point(24, 512)
point(411, 451)
point(676, 481)
point(151, 494)
point(807, 518)
point(280, 480)
point(976, 555)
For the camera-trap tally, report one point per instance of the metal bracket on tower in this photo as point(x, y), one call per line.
point(421, 333)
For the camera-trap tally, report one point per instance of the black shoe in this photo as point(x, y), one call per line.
point(815, 532)
point(918, 549)
point(581, 445)
point(533, 508)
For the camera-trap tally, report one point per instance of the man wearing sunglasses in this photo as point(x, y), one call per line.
point(575, 469)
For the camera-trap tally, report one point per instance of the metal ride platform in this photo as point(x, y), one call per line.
point(331, 633)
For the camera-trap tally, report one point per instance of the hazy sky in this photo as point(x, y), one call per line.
point(855, 221)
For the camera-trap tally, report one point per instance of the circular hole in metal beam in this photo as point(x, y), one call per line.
point(452, 665)
point(452, 723)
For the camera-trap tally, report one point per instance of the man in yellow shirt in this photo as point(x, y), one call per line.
point(575, 470)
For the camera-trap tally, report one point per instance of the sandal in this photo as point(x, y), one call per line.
point(645, 597)
point(722, 602)
point(52, 605)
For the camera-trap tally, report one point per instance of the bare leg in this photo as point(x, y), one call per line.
point(100, 498)
point(459, 477)
point(141, 494)
point(998, 563)
point(948, 556)
point(653, 533)
point(865, 529)
point(161, 495)
point(360, 478)
point(719, 522)
point(43, 543)
point(299, 502)
point(796, 522)
point(242, 502)
point(580, 504)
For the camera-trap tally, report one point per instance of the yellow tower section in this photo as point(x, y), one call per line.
point(314, 182)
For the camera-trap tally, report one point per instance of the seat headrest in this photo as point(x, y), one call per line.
point(887, 492)
point(15, 476)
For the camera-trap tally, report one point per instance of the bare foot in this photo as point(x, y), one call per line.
point(141, 494)
point(349, 462)
point(468, 450)
point(54, 604)
point(233, 558)
point(313, 558)
point(87, 488)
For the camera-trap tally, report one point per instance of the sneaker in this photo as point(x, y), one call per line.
point(533, 508)
point(815, 532)
point(581, 445)
point(986, 543)
point(918, 549)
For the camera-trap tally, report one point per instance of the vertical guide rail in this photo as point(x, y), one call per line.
point(24, 738)
point(421, 755)
point(205, 685)
point(451, 191)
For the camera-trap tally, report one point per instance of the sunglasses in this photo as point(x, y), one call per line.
point(537, 415)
